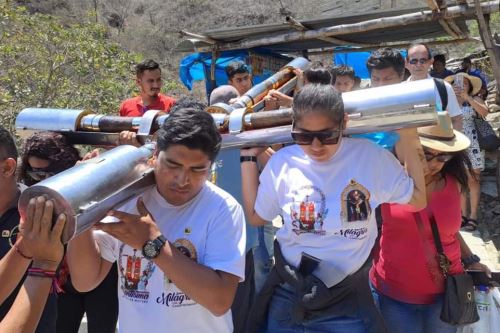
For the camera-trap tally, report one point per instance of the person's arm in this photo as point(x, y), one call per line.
point(210, 288)
point(250, 185)
point(465, 252)
point(12, 268)
point(407, 151)
point(478, 105)
point(457, 122)
point(86, 265)
point(28, 306)
point(213, 289)
point(39, 239)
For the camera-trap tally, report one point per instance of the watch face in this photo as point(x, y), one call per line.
point(149, 250)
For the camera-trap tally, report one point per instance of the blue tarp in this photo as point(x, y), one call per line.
point(196, 66)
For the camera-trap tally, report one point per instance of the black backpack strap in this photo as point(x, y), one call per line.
point(442, 92)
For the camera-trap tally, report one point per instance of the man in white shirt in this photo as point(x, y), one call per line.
point(418, 61)
point(179, 246)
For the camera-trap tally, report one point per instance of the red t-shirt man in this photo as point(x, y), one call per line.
point(149, 81)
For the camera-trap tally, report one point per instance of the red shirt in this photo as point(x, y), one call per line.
point(133, 107)
point(402, 270)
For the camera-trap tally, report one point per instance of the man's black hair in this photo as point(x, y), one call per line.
point(386, 58)
point(236, 67)
point(343, 70)
point(7, 145)
point(191, 128)
point(188, 102)
point(317, 74)
point(146, 65)
point(441, 58)
point(429, 52)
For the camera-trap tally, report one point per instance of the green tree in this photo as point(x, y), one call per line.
point(44, 63)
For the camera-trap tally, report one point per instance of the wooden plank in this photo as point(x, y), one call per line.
point(429, 42)
point(300, 27)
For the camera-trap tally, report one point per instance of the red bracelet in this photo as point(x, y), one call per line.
point(38, 272)
point(22, 254)
point(41, 273)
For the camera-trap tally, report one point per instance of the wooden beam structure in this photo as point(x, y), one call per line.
point(459, 11)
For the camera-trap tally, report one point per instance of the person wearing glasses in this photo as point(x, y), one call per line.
point(407, 282)
point(45, 155)
point(326, 188)
point(418, 61)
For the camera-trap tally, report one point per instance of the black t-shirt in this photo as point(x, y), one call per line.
point(9, 223)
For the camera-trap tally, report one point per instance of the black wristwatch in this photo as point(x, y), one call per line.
point(151, 249)
point(470, 260)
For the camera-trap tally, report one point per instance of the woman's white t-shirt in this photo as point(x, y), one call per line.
point(328, 208)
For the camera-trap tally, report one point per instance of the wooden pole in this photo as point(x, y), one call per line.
point(343, 29)
point(300, 27)
point(489, 44)
point(395, 45)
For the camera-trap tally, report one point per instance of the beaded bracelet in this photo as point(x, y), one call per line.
point(22, 254)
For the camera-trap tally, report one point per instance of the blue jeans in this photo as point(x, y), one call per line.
point(279, 319)
point(263, 254)
point(411, 318)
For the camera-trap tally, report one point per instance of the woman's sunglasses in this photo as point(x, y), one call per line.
point(442, 157)
point(325, 137)
point(39, 174)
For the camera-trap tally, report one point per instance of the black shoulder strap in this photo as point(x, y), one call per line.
point(442, 92)
point(435, 234)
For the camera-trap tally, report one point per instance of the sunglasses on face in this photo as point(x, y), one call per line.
point(414, 61)
point(330, 137)
point(442, 157)
point(39, 174)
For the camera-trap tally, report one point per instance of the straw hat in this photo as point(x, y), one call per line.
point(474, 81)
point(442, 136)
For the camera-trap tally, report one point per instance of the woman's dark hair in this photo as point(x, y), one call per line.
point(318, 98)
point(191, 128)
point(458, 167)
point(317, 74)
point(50, 146)
point(470, 86)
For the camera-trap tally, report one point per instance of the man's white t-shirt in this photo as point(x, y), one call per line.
point(209, 229)
point(328, 208)
point(453, 107)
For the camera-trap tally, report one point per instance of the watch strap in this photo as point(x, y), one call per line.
point(160, 241)
point(248, 159)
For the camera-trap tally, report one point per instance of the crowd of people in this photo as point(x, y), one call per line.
point(329, 234)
